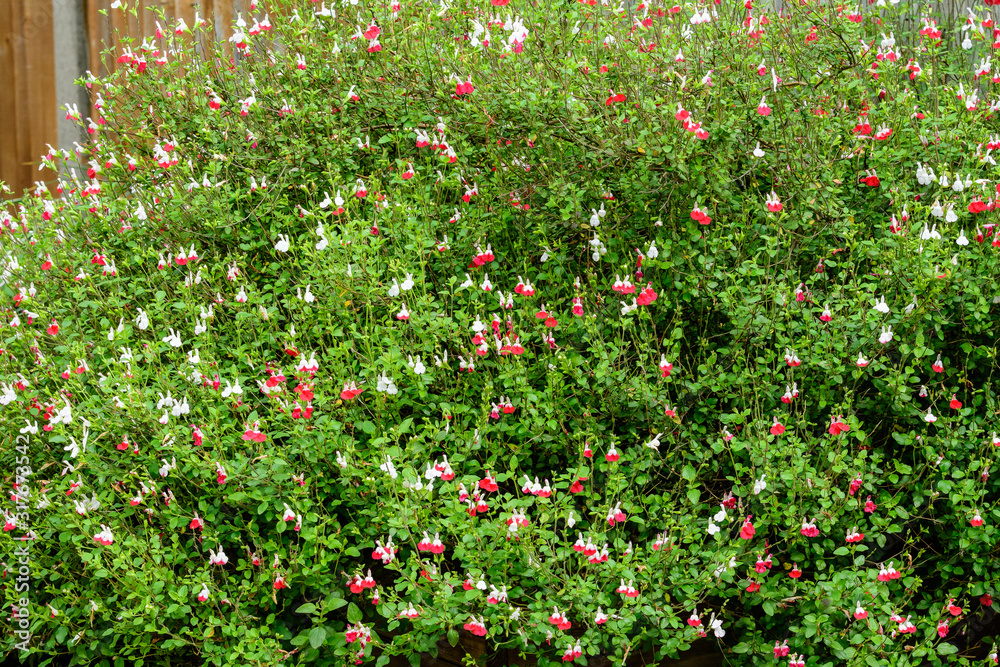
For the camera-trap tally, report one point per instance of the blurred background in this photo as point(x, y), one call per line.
point(47, 45)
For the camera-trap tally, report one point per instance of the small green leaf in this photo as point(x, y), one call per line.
point(307, 608)
point(317, 636)
point(353, 613)
point(689, 473)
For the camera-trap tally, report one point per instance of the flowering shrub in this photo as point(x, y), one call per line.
point(532, 324)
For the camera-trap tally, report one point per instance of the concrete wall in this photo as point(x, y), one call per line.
point(71, 63)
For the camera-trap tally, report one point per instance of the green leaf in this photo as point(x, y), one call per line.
point(453, 637)
point(689, 473)
point(317, 636)
point(769, 607)
point(944, 648)
point(307, 608)
point(693, 495)
point(353, 613)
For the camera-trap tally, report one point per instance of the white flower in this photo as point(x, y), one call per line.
point(652, 253)
point(408, 283)
point(387, 467)
point(229, 389)
point(386, 384)
point(712, 528)
point(571, 519)
point(417, 366)
point(962, 240)
point(72, 448)
point(886, 335)
point(172, 338)
point(929, 417)
point(758, 151)
point(881, 306)
point(167, 467)
point(923, 177)
point(759, 485)
point(655, 442)
point(721, 515)
point(142, 320)
point(716, 626)
point(283, 243)
point(468, 282)
point(394, 290)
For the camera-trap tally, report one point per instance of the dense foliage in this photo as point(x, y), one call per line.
point(587, 329)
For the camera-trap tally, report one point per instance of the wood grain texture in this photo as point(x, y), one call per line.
point(28, 98)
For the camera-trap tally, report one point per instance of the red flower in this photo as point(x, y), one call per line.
point(796, 572)
point(614, 98)
point(488, 483)
point(777, 428)
point(747, 530)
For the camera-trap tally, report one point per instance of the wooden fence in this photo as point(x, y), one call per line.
point(27, 95)
point(29, 109)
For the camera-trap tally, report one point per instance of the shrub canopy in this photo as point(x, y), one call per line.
point(589, 329)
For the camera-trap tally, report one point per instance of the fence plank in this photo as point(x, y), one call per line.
point(27, 79)
point(8, 110)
